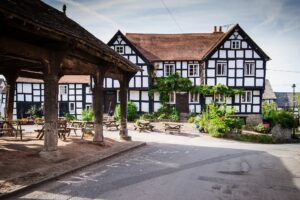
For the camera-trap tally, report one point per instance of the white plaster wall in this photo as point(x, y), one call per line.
point(145, 107)
point(249, 82)
point(134, 95)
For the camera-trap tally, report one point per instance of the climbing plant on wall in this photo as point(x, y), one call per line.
point(175, 83)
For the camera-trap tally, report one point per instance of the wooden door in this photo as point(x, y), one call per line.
point(182, 103)
point(63, 108)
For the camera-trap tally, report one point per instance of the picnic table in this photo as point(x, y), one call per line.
point(143, 125)
point(62, 130)
point(75, 125)
point(172, 127)
point(111, 123)
point(7, 127)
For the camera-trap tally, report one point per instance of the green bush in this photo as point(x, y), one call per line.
point(69, 117)
point(285, 119)
point(131, 111)
point(217, 128)
point(234, 123)
point(264, 139)
point(147, 116)
point(167, 112)
point(261, 128)
point(88, 115)
point(35, 112)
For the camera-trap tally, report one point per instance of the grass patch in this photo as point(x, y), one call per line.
point(264, 139)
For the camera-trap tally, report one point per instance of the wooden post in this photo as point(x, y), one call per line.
point(9, 105)
point(98, 106)
point(123, 104)
point(51, 79)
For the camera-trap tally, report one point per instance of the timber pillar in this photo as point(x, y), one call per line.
point(124, 83)
point(51, 78)
point(10, 93)
point(98, 101)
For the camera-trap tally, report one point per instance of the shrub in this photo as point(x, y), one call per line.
point(265, 139)
point(261, 128)
point(147, 116)
point(217, 128)
point(285, 119)
point(34, 112)
point(88, 115)
point(131, 111)
point(69, 117)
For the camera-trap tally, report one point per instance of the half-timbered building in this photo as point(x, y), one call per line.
point(231, 58)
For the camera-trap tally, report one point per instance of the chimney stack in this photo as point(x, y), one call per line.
point(64, 9)
point(220, 29)
point(215, 29)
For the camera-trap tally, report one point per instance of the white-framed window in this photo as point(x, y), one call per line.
point(235, 44)
point(247, 97)
point(71, 107)
point(219, 98)
point(249, 69)
point(221, 69)
point(194, 97)
point(172, 97)
point(119, 49)
point(193, 69)
point(169, 69)
point(63, 89)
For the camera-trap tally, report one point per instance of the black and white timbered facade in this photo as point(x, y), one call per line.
point(231, 58)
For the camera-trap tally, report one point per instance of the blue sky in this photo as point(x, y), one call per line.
point(273, 24)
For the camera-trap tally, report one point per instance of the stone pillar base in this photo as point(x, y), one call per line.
point(125, 137)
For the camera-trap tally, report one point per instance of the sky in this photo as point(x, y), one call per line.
point(273, 24)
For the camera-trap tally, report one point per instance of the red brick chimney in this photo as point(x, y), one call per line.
point(215, 29)
point(220, 29)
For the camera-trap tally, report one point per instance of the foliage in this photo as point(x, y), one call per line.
point(148, 117)
point(217, 127)
point(165, 85)
point(131, 111)
point(218, 120)
point(167, 112)
point(35, 112)
point(285, 119)
point(88, 115)
point(69, 117)
point(269, 111)
point(257, 138)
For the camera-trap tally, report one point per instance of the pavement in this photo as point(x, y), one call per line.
point(185, 167)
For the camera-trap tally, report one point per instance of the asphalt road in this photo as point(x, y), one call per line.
point(184, 167)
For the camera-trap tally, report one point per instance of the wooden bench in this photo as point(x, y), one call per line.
point(172, 127)
point(62, 130)
point(75, 126)
point(7, 127)
point(143, 126)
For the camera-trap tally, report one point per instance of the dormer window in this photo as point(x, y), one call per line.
point(120, 49)
point(235, 44)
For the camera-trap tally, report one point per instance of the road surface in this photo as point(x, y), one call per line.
point(184, 168)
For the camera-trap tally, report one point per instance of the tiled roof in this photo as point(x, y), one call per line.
point(189, 46)
point(284, 99)
point(48, 18)
point(268, 93)
point(64, 79)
